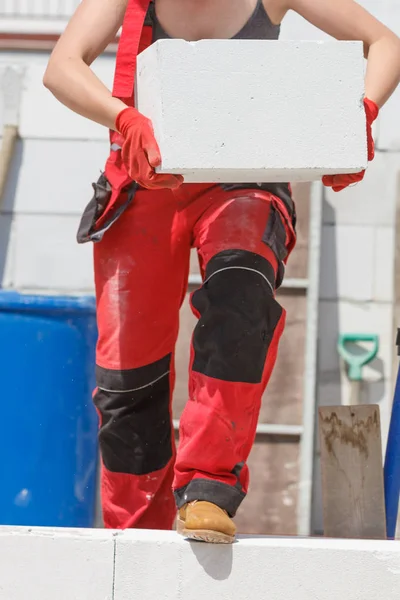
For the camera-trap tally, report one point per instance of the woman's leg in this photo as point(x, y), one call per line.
point(141, 270)
point(242, 240)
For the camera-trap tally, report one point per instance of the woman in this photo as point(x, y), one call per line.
point(243, 235)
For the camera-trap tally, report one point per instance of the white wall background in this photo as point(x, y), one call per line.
point(60, 154)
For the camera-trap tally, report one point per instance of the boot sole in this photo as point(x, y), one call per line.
point(204, 535)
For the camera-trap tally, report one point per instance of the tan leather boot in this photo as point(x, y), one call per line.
point(206, 522)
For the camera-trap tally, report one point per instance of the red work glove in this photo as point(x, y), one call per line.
point(340, 182)
point(140, 151)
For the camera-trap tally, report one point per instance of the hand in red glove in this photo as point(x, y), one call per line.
point(140, 151)
point(340, 182)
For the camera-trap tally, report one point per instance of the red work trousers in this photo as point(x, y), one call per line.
point(242, 238)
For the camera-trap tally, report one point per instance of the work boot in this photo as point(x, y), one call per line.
point(206, 522)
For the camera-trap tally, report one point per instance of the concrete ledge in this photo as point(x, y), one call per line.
point(49, 564)
point(254, 111)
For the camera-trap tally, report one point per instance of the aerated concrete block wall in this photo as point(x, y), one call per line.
point(149, 565)
point(58, 157)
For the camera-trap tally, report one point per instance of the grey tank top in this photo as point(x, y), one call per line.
point(258, 27)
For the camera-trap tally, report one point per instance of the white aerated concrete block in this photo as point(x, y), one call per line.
point(53, 176)
point(47, 255)
point(370, 202)
point(72, 564)
point(347, 254)
point(383, 264)
point(42, 116)
point(255, 111)
point(154, 565)
point(56, 564)
point(347, 316)
point(7, 251)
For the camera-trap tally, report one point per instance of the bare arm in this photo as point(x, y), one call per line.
point(68, 75)
point(347, 20)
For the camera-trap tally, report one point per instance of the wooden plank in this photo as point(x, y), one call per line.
point(351, 470)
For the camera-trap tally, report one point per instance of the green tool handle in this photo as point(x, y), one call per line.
point(357, 361)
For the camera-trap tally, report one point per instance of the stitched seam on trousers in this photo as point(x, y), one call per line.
point(134, 389)
point(243, 269)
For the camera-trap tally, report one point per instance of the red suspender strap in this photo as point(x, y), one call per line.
point(129, 47)
point(134, 39)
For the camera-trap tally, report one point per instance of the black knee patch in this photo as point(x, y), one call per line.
point(135, 432)
point(238, 317)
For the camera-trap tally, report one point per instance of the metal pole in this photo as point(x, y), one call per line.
point(304, 503)
point(392, 460)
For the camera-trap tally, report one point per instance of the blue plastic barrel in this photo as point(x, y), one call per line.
point(48, 439)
